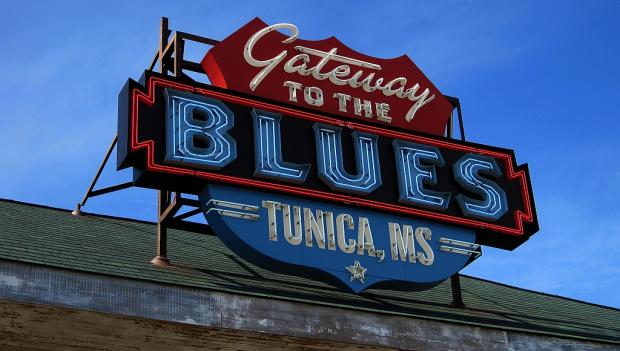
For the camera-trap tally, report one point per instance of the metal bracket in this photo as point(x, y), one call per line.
point(167, 208)
point(456, 105)
point(457, 297)
point(169, 56)
point(176, 46)
point(92, 193)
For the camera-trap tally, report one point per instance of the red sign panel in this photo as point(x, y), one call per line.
point(326, 75)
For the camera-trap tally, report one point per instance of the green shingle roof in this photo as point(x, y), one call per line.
point(123, 247)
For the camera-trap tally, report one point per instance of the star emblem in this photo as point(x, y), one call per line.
point(357, 271)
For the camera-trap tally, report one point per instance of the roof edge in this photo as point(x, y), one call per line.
point(154, 223)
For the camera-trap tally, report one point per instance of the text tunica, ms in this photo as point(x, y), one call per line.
point(328, 230)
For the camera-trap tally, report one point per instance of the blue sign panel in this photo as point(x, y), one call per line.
point(359, 248)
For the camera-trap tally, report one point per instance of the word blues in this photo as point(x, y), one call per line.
point(197, 135)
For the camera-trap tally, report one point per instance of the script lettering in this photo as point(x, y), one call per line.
point(351, 72)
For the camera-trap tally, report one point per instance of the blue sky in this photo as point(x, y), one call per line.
point(541, 78)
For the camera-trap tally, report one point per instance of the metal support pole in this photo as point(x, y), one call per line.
point(457, 298)
point(163, 203)
point(461, 127)
point(164, 33)
point(456, 104)
point(163, 196)
point(450, 125)
point(179, 49)
point(78, 208)
point(455, 281)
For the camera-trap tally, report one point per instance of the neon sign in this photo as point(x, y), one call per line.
point(353, 200)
